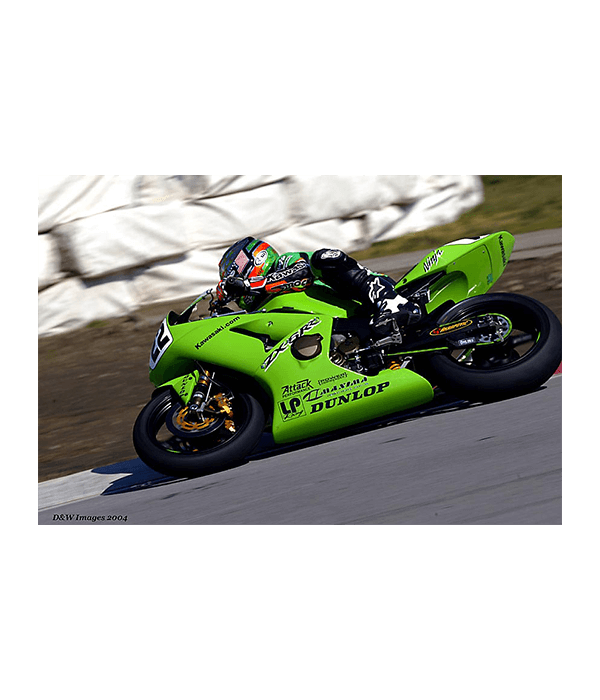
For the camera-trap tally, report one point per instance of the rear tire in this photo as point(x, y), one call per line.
point(500, 371)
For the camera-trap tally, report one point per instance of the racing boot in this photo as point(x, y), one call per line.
point(388, 324)
point(392, 315)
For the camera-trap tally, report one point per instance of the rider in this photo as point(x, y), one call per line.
point(252, 269)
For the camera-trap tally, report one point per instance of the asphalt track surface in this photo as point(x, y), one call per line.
point(497, 463)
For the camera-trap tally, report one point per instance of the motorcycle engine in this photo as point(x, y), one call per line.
point(345, 353)
point(343, 345)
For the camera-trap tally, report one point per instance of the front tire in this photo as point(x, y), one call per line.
point(526, 358)
point(173, 456)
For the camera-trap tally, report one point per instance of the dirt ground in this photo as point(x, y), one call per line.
point(93, 382)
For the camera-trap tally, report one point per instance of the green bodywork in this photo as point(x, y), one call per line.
point(471, 268)
point(313, 396)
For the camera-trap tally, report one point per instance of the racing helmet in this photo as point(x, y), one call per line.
point(247, 258)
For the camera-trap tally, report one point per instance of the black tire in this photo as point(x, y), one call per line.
point(210, 455)
point(497, 372)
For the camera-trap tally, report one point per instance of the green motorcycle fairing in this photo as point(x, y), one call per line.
point(465, 268)
point(312, 395)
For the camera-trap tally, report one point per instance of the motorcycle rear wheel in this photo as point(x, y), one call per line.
point(173, 456)
point(529, 355)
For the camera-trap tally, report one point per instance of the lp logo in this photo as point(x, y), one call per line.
point(291, 409)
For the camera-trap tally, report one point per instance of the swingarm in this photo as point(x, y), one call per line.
point(464, 333)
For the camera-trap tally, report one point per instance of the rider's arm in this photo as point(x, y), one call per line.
point(293, 273)
point(291, 279)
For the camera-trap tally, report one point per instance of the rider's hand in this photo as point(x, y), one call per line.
point(221, 294)
point(236, 287)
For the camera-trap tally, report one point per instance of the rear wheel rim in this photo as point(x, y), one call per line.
point(527, 329)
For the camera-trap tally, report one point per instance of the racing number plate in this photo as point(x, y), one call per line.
point(161, 343)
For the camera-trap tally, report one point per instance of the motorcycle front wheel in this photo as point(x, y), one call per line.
point(175, 446)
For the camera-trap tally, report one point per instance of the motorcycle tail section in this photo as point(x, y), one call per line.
point(458, 270)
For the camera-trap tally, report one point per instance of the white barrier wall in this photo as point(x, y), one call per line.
point(108, 244)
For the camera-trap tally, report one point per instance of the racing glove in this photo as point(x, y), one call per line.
point(236, 287)
point(230, 288)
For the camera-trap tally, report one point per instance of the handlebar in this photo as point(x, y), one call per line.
point(214, 306)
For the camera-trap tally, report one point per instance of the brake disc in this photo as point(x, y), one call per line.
point(187, 423)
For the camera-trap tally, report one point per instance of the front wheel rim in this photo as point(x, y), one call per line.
point(162, 438)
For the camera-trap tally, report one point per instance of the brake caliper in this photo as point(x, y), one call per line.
point(224, 405)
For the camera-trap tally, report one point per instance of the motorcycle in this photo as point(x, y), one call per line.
point(305, 364)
